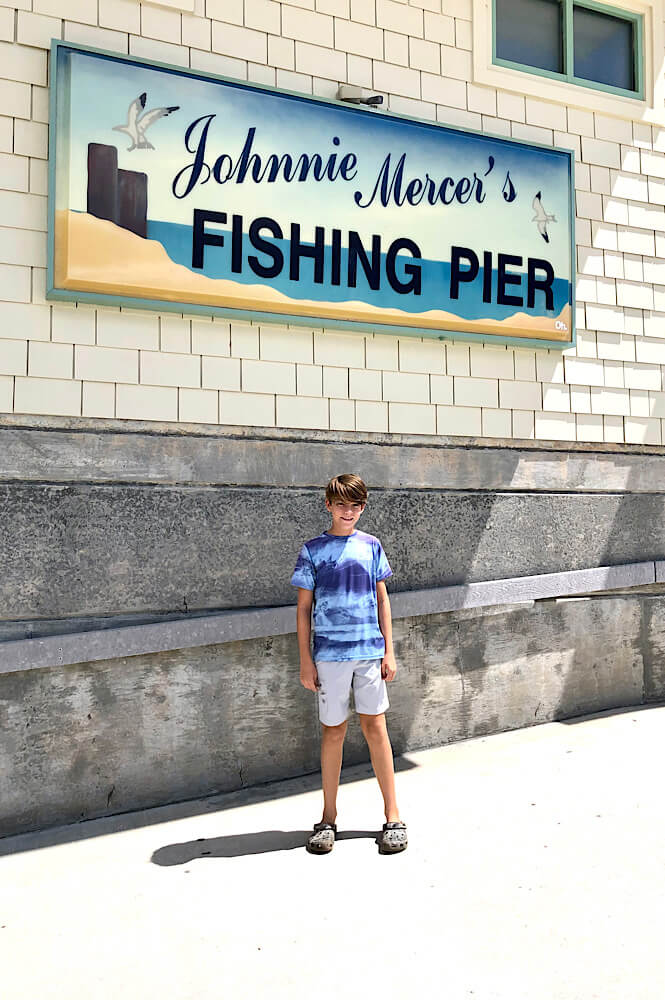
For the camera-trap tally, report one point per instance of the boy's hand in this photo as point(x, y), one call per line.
point(388, 667)
point(309, 677)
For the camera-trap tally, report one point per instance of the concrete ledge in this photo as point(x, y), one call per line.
point(51, 450)
point(231, 626)
point(523, 588)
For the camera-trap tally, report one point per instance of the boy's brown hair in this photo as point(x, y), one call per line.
point(348, 487)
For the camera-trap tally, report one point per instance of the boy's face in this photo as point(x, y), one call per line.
point(345, 515)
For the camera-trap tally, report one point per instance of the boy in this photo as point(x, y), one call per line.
point(341, 575)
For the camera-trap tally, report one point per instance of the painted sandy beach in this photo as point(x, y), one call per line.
point(93, 255)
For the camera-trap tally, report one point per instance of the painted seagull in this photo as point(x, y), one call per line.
point(136, 127)
point(541, 217)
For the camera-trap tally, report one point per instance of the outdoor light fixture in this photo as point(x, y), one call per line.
point(354, 95)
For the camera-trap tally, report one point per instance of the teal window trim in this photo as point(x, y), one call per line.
point(568, 76)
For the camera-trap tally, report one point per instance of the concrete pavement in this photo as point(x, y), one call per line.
point(535, 871)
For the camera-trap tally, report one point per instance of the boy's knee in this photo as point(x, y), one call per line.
point(334, 732)
point(373, 725)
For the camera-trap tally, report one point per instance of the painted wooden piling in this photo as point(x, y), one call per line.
point(102, 181)
point(133, 201)
point(120, 196)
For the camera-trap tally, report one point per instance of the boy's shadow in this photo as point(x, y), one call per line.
point(242, 844)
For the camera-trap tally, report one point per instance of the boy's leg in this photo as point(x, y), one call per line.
point(371, 699)
point(335, 679)
point(375, 732)
point(332, 746)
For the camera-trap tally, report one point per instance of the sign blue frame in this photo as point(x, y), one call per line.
point(269, 206)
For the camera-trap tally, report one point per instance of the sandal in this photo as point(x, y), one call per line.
point(322, 840)
point(394, 838)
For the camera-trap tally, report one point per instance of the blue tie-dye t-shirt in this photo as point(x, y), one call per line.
point(343, 571)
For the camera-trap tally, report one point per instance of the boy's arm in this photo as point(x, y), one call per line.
point(308, 675)
point(388, 665)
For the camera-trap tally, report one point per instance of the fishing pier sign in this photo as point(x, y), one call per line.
point(175, 190)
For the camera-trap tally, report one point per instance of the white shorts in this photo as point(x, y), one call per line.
point(337, 677)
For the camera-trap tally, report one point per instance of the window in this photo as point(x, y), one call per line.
point(580, 42)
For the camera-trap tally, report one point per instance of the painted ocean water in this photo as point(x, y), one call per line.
point(177, 241)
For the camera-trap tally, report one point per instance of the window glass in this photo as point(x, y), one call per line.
point(603, 48)
point(530, 32)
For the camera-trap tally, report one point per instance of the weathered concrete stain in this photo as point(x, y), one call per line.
point(653, 643)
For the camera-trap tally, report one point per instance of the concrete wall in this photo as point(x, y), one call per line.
point(113, 520)
point(114, 524)
point(91, 739)
point(84, 550)
point(429, 58)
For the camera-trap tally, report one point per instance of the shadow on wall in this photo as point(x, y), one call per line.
point(475, 672)
point(471, 673)
point(620, 638)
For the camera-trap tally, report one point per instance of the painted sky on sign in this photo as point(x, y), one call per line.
point(102, 90)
